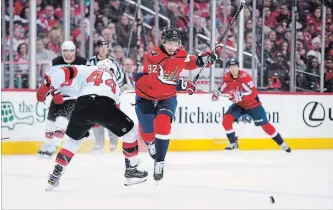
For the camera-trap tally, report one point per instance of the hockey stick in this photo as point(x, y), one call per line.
point(219, 43)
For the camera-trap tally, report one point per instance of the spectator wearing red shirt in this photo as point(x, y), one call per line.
point(317, 20)
point(19, 5)
point(220, 14)
point(308, 31)
point(55, 41)
point(48, 20)
point(270, 19)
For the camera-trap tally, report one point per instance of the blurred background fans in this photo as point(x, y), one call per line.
point(285, 45)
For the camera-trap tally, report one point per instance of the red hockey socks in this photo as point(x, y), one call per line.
point(162, 126)
point(131, 147)
point(64, 157)
point(67, 151)
point(270, 130)
point(227, 122)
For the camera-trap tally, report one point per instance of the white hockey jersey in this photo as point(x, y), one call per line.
point(118, 72)
point(80, 80)
point(71, 92)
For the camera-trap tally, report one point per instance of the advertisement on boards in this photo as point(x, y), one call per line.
point(198, 120)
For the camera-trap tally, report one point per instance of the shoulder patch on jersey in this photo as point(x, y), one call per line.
point(243, 75)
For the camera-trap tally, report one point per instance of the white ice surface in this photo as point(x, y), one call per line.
point(200, 180)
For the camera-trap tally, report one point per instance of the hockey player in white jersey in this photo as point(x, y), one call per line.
point(60, 107)
point(98, 96)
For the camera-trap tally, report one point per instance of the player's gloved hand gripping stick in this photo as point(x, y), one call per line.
point(235, 97)
point(219, 43)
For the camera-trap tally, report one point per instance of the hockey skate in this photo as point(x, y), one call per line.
point(47, 151)
point(55, 177)
point(158, 171)
point(285, 147)
point(151, 149)
point(133, 175)
point(232, 146)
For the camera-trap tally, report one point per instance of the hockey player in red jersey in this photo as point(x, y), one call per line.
point(156, 87)
point(244, 96)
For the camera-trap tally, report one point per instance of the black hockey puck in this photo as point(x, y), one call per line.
point(272, 199)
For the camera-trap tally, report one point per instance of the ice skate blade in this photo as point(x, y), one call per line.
point(133, 181)
point(158, 182)
point(49, 188)
point(288, 150)
point(231, 150)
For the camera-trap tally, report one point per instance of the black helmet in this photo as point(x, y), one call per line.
point(171, 34)
point(232, 61)
point(102, 42)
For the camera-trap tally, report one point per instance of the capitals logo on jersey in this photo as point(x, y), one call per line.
point(161, 72)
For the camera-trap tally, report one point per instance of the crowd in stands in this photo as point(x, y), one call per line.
point(112, 22)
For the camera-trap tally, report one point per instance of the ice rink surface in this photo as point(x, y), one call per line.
point(200, 180)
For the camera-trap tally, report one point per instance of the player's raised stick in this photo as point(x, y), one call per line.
point(219, 43)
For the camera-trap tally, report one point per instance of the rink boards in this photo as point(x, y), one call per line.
point(304, 120)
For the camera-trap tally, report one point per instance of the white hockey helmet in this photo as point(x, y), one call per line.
point(68, 45)
point(105, 64)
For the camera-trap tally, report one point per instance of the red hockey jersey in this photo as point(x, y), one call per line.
point(161, 73)
point(243, 84)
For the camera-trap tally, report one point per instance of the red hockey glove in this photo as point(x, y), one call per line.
point(235, 97)
point(43, 90)
point(215, 96)
point(188, 86)
point(58, 98)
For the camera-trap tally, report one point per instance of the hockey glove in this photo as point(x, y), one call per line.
point(209, 56)
point(43, 90)
point(215, 96)
point(188, 86)
point(235, 97)
point(58, 98)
